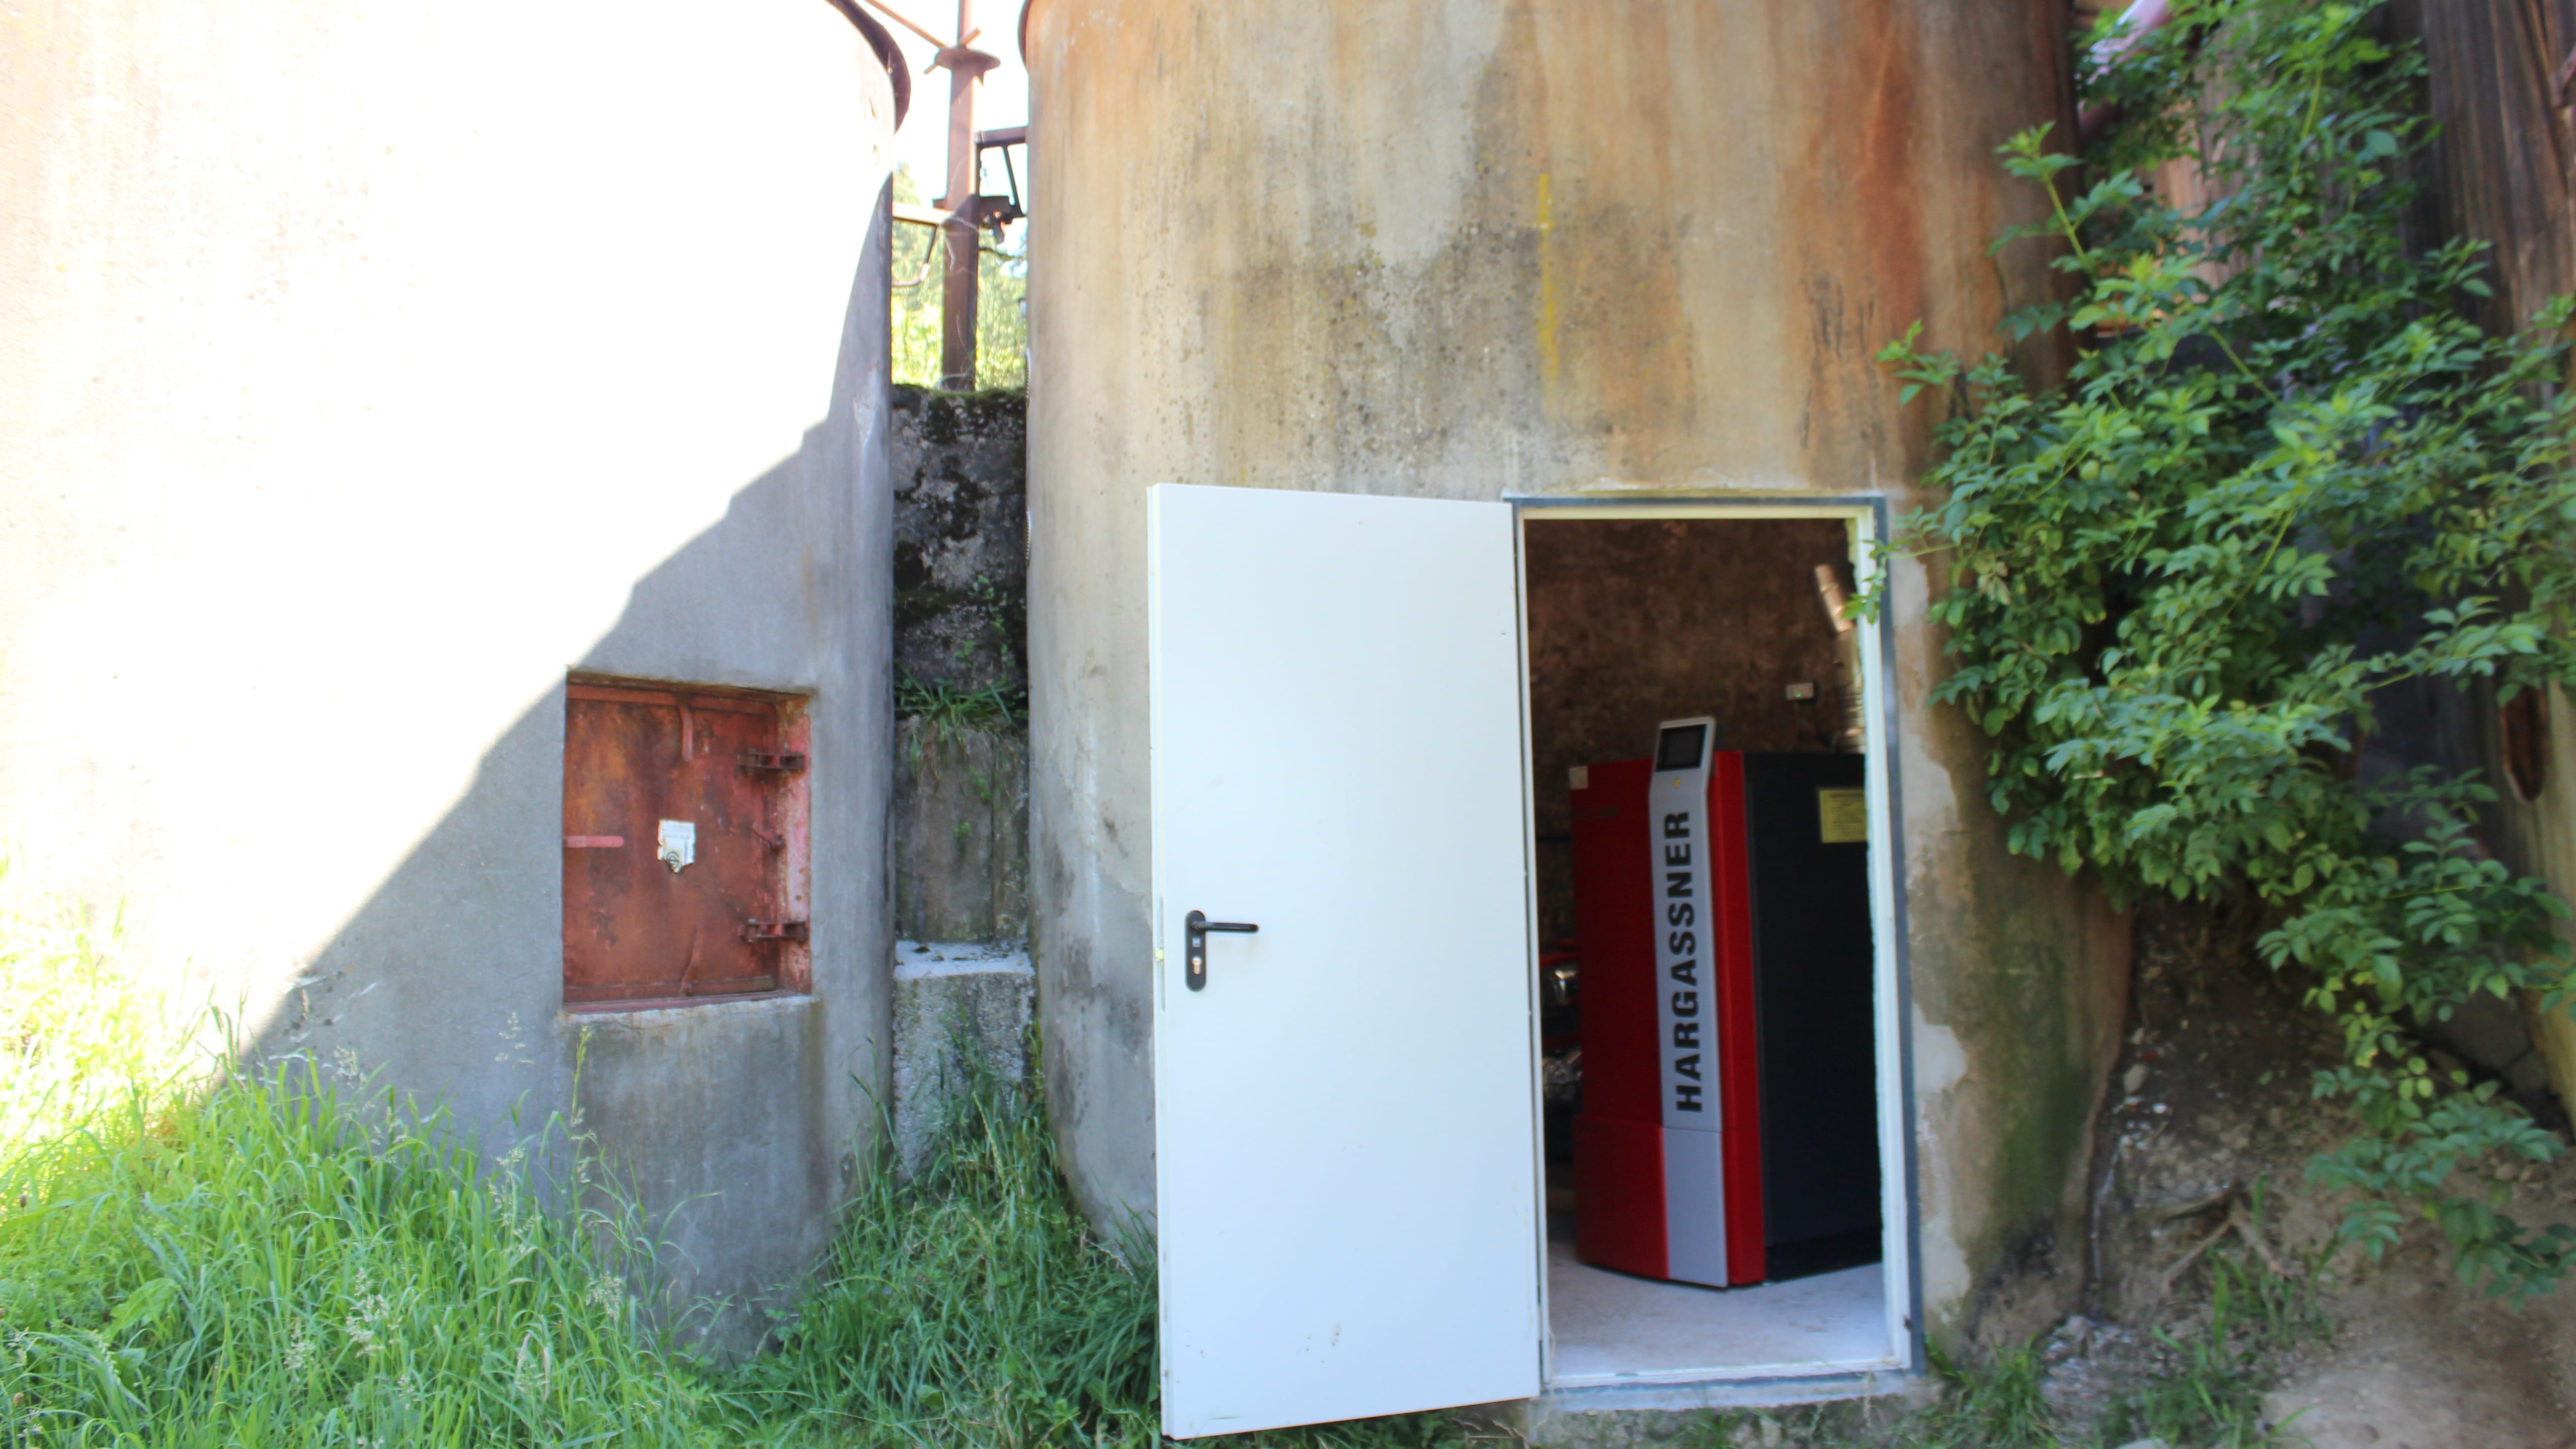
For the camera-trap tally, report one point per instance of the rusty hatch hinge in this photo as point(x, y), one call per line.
point(758, 931)
point(770, 760)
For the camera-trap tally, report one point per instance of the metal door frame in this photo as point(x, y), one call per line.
point(1900, 1198)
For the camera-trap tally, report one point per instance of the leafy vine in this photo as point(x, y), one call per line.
point(2284, 474)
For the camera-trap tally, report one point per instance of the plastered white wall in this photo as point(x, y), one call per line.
point(365, 367)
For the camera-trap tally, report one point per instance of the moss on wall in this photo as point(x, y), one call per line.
point(961, 539)
point(2023, 987)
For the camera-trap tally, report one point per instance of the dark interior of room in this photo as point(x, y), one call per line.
point(1636, 621)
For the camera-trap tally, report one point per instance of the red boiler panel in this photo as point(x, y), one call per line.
point(1728, 1126)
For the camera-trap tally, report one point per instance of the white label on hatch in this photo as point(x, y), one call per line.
point(679, 844)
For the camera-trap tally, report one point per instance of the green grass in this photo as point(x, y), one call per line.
point(1995, 1406)
point(2211, 1390)
point(190, 1256)
point(973, 1305)
point(268, 1266)
point(2206, 1390)
point(79, 1042)
point(950, 708)
point(195, 1256)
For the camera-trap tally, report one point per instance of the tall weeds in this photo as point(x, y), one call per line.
point(191, 1255)
point(263, 1266)
point(78, 1041)
point(2210, 1383)
point(972, 1305)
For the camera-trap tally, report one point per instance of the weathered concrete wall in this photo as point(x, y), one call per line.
point(960, 1012)
point(364, 373)
point(961, 629)
point(964, 993)
point(961, 577)
point(2500, 173)
point(1522, 246)
point(961, 830)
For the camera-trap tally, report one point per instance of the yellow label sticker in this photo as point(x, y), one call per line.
point(1843, 815)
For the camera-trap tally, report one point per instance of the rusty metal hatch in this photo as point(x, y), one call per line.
point(685, 830)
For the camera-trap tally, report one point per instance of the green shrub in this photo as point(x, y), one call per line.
point(2285, 474)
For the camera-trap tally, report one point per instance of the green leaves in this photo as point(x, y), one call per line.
point(1920, 370)
point(2284, 477)
point(143, 1307)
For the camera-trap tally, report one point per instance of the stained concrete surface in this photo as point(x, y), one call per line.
point(739, 1125)
point(961, 819)
point(960, 465)
point(961, 808)
point(1490, 249)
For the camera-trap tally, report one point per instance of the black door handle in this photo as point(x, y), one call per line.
point(1194, 936)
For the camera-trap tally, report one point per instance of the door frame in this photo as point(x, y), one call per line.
point(1867, 517)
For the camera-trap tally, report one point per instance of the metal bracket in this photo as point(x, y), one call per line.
point(757, 932)
point(767, 760)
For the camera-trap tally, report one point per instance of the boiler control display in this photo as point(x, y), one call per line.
point(1677, 747)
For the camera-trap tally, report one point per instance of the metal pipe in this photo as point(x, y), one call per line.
point(965, 248)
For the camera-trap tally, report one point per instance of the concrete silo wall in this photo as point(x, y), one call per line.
point(1474, 249)
point(365, 373)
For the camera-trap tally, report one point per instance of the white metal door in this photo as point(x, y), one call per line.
point(1345, 1132)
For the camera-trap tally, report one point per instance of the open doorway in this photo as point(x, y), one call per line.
point(1345, 692)
point(1720, 1123)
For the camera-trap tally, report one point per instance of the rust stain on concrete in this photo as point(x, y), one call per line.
point(1530, 247)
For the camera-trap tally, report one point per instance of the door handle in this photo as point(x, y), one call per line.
point(1195, 928)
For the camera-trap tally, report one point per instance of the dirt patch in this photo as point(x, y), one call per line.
point(2420, 1361)
point(2201, 1175)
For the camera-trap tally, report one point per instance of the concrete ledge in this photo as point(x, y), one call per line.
point(704, 1011)
point(1625, 1416)
point(1725, 1394)
point(958, 1008)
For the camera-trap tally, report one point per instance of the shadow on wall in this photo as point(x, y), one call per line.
point(740, 1125)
